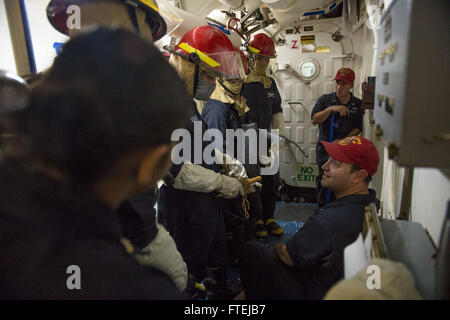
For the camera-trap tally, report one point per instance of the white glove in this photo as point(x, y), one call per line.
point(278, 123)
point(267, 161)
point(232, 166)
point(255, 186)
point(230, 187)
point(193, 177)
point(274, 150)
point(162, 254)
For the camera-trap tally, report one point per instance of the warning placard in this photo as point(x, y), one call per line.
point(306, 175)
point(307, 39)
point(323, 49)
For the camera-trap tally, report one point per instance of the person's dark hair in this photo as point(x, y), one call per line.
point(355, 168)
point(108, 93)
point(14, 97)
point(14, 93)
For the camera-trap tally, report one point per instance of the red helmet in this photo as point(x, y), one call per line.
point(262, 44)
point(211, 48)
point(159, 16)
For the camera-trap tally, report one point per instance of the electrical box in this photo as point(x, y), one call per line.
point(368, 93)
point(412, 111)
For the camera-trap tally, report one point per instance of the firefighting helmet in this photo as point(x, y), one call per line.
point(210, 48)
point(160, 16)
point(263, 45)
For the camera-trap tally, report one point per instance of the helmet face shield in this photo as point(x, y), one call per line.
point(210, 48)
point(228, 65)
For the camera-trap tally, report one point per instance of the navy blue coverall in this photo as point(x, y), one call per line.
point(194, 220)
point(223, 116)
point(317, 251)
point(342, 127)
point(263, 104)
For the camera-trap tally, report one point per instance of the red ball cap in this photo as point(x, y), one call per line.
point(357, 150)
point(345, 74)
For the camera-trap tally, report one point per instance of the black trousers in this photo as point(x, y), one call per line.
point(269, 195)
point(195, 221)
point(264, 276)
point(237, 225)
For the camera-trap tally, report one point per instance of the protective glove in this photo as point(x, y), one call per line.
point(256, 186)
point(274, 150)
point(162, 254)
point(193, 177)
point(278, 123)
point(230, 187)
point(267, 161)
point(232, 166)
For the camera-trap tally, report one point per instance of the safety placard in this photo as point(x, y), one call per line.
point(307, 39)
point(306, 175)
point(323, 49)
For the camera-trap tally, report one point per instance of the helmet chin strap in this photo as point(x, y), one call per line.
point(231, 93)
point(195, 59)
point(195, 84)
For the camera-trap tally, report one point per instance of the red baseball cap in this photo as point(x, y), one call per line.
point(345, 74)
point(357, 150)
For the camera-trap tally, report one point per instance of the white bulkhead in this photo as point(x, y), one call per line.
point(403, 43)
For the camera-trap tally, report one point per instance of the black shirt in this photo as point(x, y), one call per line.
point(222, 116)
point(317, 249)
point(46, 226)
point(263, 103)
point(342, 124)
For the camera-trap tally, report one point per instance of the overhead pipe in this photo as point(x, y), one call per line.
point(287, 12)
point(279, 4)
point(374, 14)
point(233, 4)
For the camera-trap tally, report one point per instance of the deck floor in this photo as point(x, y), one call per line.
point(290, 216)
